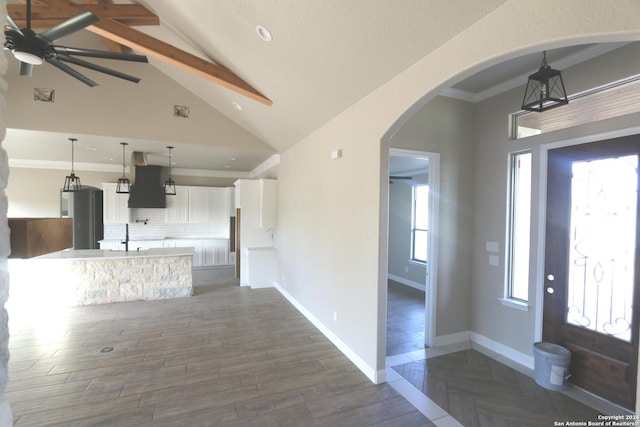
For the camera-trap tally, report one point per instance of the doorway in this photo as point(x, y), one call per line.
point(412, 250)
point(591, 287)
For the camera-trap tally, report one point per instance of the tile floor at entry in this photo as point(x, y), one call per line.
point(228, 356)
point(466, 384)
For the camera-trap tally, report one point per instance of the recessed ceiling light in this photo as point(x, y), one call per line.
point(232, 158)
point(91, 148)
point(227, 166)
point(264, 33)
point(237, 106)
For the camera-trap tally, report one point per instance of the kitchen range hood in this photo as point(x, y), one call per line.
point(147, 190)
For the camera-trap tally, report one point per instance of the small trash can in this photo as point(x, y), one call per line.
point(551, 365)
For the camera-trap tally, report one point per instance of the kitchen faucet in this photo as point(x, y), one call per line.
point(126, 238)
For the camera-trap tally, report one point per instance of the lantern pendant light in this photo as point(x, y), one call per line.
point(124, 185)
point(72, 182)
point(545, 89)
point(169, 184)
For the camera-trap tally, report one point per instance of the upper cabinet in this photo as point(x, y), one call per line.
point(115, 206)
point(178, 206)
point(208, 205)
point(258, 197)
point(199, 205)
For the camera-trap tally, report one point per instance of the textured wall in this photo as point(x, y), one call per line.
point(5, 248)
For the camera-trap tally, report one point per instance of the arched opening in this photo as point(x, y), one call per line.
point(473, 229)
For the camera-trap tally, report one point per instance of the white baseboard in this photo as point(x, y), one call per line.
point(499, 348)
point(508, 352)
point(407, 282)
point(450, 339)
point(376, 376)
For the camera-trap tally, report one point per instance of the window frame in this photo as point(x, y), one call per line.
point(514, 221)
point(414, 228)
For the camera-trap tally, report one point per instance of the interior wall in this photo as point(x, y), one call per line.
point(332, 236)
point(446, 126)
point(511, 327)
point(400, 266)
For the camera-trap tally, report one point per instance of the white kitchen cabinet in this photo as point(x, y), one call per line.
point(115, 206)
point(209, 205)
point(215, 252)
point(177, 211)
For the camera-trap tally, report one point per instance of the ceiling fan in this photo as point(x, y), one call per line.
point(31, 48)
point(392, 177)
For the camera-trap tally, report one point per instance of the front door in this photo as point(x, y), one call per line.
point(591, 290)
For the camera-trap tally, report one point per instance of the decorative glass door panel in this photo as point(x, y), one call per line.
point(602, 245)
point(591, 284)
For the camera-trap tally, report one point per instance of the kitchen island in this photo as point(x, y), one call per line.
point(95, 276)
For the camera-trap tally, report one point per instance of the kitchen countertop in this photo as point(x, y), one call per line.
point(84, 254)
point(164, 238)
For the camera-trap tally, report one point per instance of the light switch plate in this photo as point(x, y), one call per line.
point(492, 246)
point(493, 260)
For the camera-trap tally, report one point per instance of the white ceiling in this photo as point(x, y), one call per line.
point(324, 57)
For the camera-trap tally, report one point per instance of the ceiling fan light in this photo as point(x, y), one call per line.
point(28, 57)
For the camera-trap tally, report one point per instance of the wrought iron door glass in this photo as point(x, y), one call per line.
point(602, 245)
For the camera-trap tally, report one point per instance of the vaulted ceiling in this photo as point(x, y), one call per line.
point(323, 56)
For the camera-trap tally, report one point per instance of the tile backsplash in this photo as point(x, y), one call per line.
point(149, 224)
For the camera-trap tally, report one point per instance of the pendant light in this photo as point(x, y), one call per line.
point(169, 184)
point(545, 89)
point(72, 182)
point(124, 185)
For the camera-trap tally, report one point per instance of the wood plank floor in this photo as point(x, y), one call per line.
point(228, 356)
point(405, 319)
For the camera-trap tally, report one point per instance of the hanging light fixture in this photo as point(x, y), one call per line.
point(169, 184)
point(545, 89)
point(72, 182)
point(124, 185)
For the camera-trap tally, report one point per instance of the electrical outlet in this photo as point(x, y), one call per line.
point(406, 268)
point(335, 316)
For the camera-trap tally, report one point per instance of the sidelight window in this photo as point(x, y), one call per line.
point(519, 227)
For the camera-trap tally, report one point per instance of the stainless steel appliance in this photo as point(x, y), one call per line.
point(85, 207)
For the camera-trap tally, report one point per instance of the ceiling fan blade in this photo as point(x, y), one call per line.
point(122, 56)
point(64, 67)
point(25, 69)
point(11, 24)
point(71, 25)
point(98, 68)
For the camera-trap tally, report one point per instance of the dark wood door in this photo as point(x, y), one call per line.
point(591, 290)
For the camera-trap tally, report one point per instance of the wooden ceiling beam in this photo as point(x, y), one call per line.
point(111, 45)
point(147, 45)
point(43, 17)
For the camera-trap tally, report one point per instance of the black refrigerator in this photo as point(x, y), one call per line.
point(85, 207)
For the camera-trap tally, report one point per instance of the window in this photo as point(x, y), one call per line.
point(419, 223)
point(519, 227)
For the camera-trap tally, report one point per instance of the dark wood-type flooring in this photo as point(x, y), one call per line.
point(228, 356)
point(405, 319)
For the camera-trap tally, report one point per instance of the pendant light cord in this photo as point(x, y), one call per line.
point(72, 159)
